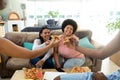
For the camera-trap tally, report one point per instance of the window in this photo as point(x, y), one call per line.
point(89, 14)
point(40, 9)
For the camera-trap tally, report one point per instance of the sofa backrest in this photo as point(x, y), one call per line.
point(80, 34)
point(20, 37)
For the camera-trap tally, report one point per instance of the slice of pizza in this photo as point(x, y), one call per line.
point(78, 69)
point(55, 37)
point(33, 73)
point(66, 40)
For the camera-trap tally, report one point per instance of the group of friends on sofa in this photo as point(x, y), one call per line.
point(62, 50)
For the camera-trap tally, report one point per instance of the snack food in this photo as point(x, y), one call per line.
point(67, 39)
point(78, 69)
point(55, 37)
point(33, 73)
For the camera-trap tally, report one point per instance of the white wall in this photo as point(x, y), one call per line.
point(99, 9)
point(10, 23)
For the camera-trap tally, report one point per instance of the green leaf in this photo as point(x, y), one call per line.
point(113, 26)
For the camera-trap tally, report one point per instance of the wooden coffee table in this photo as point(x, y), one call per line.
point(19, 74)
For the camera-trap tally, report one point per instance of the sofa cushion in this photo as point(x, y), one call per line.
point(17, 38)
point(17, 63)
point(20, 37)
point(28, 45)
point(84, 42)
point(56, 32)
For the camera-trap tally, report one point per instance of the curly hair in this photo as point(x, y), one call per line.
point(69, 22)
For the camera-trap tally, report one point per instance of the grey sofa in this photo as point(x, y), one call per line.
point(37, 29)
point(10, 64)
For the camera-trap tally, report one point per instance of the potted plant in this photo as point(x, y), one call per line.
point(53, 14)
point(52, 22)
point(113, 26)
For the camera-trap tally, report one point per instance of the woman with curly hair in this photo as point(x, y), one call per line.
point(69, 57)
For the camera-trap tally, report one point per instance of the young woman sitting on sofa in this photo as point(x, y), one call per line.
point(9, 48)
point(69, 57)
point(44, 60)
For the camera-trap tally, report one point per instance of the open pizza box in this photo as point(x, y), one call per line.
point(76, 69)
point(50, 75)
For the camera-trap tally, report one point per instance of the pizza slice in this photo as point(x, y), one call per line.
point(66, 40)
point(77, 69)
point(55, 37)
point(33, 73)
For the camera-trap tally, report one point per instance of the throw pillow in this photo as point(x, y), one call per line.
point(84, 42)
point(28, 45)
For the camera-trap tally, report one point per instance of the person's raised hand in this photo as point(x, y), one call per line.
point(66, 40)
point(74, 38)
point(47, 42)
point(54, 42)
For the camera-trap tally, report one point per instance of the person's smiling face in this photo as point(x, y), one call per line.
point(45, 34)
point(68, 30)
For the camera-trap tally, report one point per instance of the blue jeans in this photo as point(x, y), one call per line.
point(71, 62)
point(76, 76)
point(114, 75)
point(88, 76)
point(47, 64)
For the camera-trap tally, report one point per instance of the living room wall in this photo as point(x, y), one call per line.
point(12, 6)
point(94, 14)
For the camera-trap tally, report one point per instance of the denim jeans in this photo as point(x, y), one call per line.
point(70, 63)
point(76, 76)
point(114, 75)
point(88, 76)
point(47, 64)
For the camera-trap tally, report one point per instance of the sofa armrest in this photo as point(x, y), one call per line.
point(3, 70)
point(96, 63)
point(4, 58)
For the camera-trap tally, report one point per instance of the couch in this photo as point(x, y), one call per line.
point(9, 64)
point(37, 29)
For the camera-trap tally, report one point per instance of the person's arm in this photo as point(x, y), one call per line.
point(75, 37)
point(49, 53)
point(111, 48)
point(56, 57)
point(37, 44)
point(9, 48)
